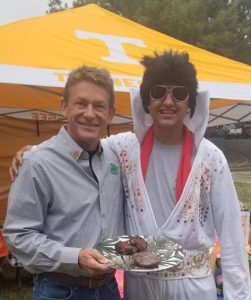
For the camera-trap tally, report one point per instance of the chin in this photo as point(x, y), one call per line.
point(88, 133)
point(167, 123)
point(89, 137)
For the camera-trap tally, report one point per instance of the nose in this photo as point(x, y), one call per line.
point(89, 112)
point(168, 98)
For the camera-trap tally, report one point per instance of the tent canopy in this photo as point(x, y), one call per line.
point(38, 54)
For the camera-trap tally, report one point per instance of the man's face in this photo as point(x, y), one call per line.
point(168, 113)
point(88, 112)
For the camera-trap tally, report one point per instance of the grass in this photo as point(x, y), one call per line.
point(10, 290)
point(244, 194)
point(236, 152)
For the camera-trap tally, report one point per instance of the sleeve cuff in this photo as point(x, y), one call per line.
point(69, 255)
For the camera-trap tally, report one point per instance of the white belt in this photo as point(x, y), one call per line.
point(194, 265)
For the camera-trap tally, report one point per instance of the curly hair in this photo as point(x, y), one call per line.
point(170, 67)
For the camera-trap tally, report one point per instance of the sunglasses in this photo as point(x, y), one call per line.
point(159, 92)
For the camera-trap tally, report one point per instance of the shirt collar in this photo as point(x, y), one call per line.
point(73, 148)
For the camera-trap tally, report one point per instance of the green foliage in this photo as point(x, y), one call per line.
point(55, 6)
point(78, 3)
point(220, 26)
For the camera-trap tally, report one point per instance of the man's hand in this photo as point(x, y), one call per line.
point(17, 161)
point(92, 261)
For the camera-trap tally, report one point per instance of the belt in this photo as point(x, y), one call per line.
point(89, 282)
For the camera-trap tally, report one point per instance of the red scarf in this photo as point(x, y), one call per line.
point(185, 159)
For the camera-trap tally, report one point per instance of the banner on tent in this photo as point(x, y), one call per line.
point(56, 77)
point(122, 83)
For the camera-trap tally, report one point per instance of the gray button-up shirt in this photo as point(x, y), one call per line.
point(56, 207)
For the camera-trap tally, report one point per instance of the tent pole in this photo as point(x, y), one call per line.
point(37, 128)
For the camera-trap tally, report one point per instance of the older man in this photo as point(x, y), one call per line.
point(62, 205)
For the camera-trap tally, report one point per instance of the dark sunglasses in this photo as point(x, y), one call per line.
point(179, 93)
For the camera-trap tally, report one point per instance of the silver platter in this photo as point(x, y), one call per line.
point(170, 253)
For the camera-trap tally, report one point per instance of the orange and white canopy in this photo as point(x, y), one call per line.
point(38, 53)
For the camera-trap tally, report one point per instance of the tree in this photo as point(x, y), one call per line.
point(55, 6)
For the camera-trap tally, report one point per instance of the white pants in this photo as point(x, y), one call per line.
point(145, 288)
